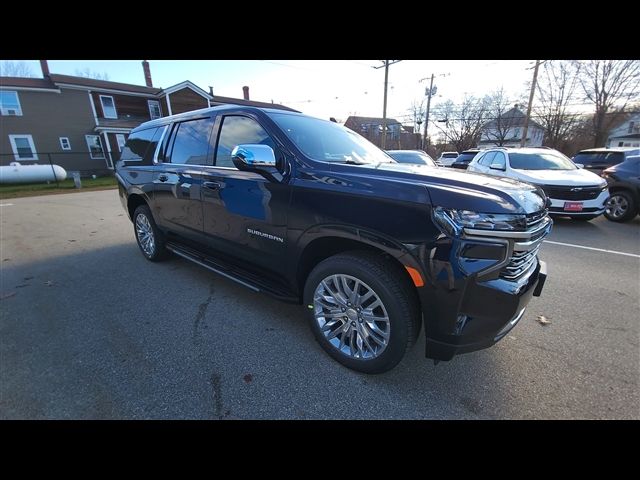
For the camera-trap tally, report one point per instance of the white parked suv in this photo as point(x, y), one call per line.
point(573, 191)
point(446, 159)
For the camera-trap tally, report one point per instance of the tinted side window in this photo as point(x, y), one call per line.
point(190, 144)
point(237, 130)
point(612, 158)
point(487, 159)
point(138, 144)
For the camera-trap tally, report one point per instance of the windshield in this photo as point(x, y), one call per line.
point(328, 141)
point(449, 155)
point(413, 157)
point(540, 161)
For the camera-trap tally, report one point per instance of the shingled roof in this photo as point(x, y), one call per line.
point(103, 84)
point(27, 82)
point(370, 120)
point(219, 100)
point(512, 118)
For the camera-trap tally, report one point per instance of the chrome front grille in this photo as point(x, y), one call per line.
point(519, 263)
point(523, 245)
point(535, 218)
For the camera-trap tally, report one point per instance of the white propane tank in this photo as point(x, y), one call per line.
point(16, 173)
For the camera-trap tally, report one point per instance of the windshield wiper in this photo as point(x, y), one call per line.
point(351, 161)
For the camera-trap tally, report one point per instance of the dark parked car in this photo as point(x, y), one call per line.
point(624, 189)
point(597, 159)
point(310, 212)
point(417, 157)
point(462, 161)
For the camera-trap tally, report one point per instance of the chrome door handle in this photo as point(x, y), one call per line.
point(212, 185)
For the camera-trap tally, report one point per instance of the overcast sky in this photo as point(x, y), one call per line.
point(322, 88)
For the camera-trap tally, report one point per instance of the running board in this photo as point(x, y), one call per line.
point(232, 273)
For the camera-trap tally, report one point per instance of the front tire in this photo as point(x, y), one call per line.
point(150, 239)
point(363, 310)
point(621, 207)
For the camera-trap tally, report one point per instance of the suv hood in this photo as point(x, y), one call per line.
point(451, 188)
point(572, 178)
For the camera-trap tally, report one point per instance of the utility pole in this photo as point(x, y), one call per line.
point(429, 94)
point(523, 140)
point(426, 123)
point(386, 64)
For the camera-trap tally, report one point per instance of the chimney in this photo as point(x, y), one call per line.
point(245, 91)
point(210, 90)
point(147, 73)
point(45, 68)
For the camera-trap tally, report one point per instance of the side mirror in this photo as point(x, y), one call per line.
point(497, 166)
point(253, 157)
point(579, 165)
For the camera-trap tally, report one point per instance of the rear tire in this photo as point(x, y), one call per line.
point(621, 207)
point(149, 237)
point(356, 329)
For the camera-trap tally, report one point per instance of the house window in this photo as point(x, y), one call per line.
point(121, 141)
point(64, 143)
point(10, 103)
point(154, 109)
point(620, 144)
point(108, 106)
point(631, 124)
point(23, 147)
point(95, 147)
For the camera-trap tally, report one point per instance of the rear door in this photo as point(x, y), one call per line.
point(178, 178)
point(245, 214)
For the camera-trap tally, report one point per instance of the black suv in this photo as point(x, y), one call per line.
point(598, 159)
point(310, 212)
point(463, 160)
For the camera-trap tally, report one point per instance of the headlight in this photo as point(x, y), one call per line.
point(453, 221)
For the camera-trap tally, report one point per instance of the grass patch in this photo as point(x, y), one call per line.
point(15, 190)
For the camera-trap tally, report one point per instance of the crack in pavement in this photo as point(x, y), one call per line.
point(202, 310)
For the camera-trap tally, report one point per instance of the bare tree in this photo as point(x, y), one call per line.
point(556, 89)
point(87, 73)
point(609, 85)
point(15, 69)
point(462, 124)
point(500, 126)
point(417, 112)
point(579, 136)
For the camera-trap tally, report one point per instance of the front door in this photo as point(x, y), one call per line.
point(178, 178)
point(245, 214)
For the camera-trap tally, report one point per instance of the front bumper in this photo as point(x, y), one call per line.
point(486, 312)
point(592, 207)
point(470, 302)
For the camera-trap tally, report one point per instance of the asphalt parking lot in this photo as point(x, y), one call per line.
point(91, 330)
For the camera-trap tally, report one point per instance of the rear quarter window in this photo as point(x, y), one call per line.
point(141, 146)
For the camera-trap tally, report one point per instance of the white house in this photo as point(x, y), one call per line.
point(507, 131)
point(627, 134)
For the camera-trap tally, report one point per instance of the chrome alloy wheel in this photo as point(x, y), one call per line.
point(351, 316)
point(144, 231)
point(617, 206)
